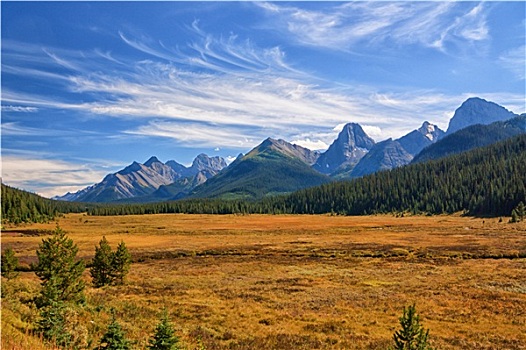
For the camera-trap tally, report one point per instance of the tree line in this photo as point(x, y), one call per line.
point(488, 181)
point(24, 207)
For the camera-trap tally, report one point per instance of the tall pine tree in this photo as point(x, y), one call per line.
point(62, 286)
point(58, 269)
point(120, 263)
point(108, 267)
point(101, 266)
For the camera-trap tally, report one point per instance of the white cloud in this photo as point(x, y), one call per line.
point(226, 92)
point(230, 159)
point(197, 135)
point(515, 60)
point(23, 109)
point(48, 177)
point(315, 145)
point(372, 131)
point(377, 23)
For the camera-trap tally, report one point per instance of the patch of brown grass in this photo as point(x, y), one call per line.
point(304, 282)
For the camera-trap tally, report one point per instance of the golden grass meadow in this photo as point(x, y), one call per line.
point(290, 281)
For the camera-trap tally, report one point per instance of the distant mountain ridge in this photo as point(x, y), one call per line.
point(137, 180)
point(390, 154)
point(384, 155)
point(294, 151)
point(279, 167)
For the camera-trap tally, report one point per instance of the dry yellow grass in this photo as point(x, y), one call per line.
point(301, 282)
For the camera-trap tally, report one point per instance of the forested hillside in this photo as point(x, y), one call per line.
point(485, 181)
point(20, 206)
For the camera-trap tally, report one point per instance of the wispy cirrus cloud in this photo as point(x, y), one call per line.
point(444, 26)
point(13, 128)
point(198, 134)
point(228, 55)
point(227, 92)
point(22, 109)
point(515, 61)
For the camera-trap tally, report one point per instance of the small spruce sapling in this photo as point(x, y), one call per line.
point(52, 323)
point(412, 336)
point(164, 337)
point(114, 338)
point(521, 211)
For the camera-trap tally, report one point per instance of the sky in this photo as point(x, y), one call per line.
point(89, 87)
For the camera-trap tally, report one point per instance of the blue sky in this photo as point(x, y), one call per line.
point(89, 87)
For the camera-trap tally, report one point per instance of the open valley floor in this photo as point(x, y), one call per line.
point(290, 281)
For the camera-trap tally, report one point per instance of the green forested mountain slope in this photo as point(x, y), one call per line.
point(472, 137)
point(274, 167)
point(484, 181)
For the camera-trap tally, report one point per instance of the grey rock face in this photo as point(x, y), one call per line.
point(417, 140)
point(384, 155)
point(143, 179)
point(350, 146)
point(477, 111)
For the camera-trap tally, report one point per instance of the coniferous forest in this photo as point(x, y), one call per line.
point(22, 207)
point(488, 181)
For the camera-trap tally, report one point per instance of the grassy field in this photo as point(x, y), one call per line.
point(292, 282)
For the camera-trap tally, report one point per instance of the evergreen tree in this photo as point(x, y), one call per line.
point(52, 323)
point(521, 211)
point(514, 216)
point(60, 274)
point(120, 264)
point(62, 285)
point(101, 269)
point(114, 338)
point(9, 264)
point(164, 337)
point(412, 336)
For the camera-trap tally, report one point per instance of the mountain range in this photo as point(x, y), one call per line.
point(278, 167)
point(142, 180)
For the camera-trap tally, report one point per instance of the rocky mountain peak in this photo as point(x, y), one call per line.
point(476, 110)
point(418, 139)
point(151, 161)
point(287, 149)
point(204, 162)
point(349, 147)
point(352, 135)
point(431, 131)
point(133, 167)
point(384, 155)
